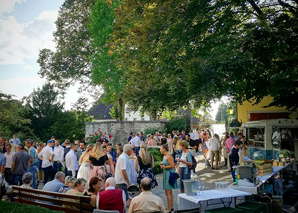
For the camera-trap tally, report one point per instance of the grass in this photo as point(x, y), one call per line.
point(14, 207)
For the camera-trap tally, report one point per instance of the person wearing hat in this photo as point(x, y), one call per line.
point(47, 155)
point(20, 165)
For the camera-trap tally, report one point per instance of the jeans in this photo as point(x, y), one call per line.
point(15, 179)
point(137, 149)
point(57, 167)
point(48, 173)
point(123, 186)
point(33, 170)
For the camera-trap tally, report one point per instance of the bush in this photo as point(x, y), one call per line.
point(177, 123)
point(151, 131)
point(158, 157)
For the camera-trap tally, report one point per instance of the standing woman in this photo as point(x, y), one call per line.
point(184, 161)
point(144, 165)
point(97, 159)
point(84, 171)
point(40, 174)
point(168, 166)
point(170, 143)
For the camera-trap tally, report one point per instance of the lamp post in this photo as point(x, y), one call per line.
point(230, 112)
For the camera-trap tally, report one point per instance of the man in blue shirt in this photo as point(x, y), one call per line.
point(33, 160)
point(2, 162)
point(15, 140)
point(56, 184)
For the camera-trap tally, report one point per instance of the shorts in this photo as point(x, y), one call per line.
point(216, 154)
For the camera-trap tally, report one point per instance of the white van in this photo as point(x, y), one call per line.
point(270, 136)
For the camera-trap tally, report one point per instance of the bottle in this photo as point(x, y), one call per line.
point(236, 177)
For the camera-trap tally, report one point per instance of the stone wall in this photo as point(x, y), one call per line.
point(120, 129)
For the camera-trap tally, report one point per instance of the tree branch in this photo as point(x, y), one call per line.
point(290, 7)
point(256, 8)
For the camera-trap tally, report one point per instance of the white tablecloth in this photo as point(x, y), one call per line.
point(211, 199)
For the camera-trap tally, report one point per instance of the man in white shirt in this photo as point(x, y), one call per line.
point(198, 140)
point(9, 156)
point(47, 155)
point(71, 161)
point(214, 148)
point(136, 142)
point(123, 169)
point(58, 156)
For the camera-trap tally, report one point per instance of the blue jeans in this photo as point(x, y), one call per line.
point(15, 179)
point(137, 149)
point(57, 166)
point(33, 170)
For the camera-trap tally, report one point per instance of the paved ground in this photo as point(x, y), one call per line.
point(207, 175)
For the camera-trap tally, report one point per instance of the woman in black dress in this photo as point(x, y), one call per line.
point(144, 165)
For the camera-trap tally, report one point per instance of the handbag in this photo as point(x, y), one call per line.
point(173, 177)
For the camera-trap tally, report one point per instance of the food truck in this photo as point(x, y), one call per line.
point(271, 136)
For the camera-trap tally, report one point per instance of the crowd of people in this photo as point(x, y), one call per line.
point(104, 174)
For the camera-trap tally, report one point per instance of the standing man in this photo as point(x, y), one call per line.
point(214, 148)
point(142, 138)
point(192, 144)
point(66, 150)
point(198, 140)
point(2, 162)
point(130, 137)
point(33, 160)
point(123, 170)
point(9, 156)
point(2, 145)
point(15, 140)
point(157, 138)
point(58, 156)
point(111, 152)
point(71, 162)
point(47, 155)
point(136, 142)
point(81, 149)
point(20, 165)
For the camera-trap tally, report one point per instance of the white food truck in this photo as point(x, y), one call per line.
point(270, 136)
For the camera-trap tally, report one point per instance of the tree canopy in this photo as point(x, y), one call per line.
point(158, 55)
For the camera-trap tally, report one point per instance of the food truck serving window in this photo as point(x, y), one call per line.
point(256, 133)
point(284, 138)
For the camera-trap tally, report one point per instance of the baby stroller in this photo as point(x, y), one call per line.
point(133, 191)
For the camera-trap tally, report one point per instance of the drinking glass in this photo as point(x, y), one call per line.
point(202, 186)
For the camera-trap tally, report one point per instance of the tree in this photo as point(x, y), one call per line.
point(107, 70)
point(13, 118)
point(222, 113)
point(44, 107)
point(200, 50)
point(70, 62)
point(70, 125)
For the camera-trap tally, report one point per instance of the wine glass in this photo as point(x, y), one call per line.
point(203, 186)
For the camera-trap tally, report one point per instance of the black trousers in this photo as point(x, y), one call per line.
point(49, 172)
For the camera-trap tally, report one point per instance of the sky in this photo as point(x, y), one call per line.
point(26, 26)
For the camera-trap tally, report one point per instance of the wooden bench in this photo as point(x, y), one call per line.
point(52, 200)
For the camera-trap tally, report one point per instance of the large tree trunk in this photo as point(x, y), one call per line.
point(153, 115)
point(120, 109)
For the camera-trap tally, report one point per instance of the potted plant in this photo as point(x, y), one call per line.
point(284, 154)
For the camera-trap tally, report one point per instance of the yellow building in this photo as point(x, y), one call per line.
point(248, 112)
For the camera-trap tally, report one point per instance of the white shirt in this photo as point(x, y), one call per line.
point(9, 159)
point(122, 164)
point(71, 162)
point(192, 136)
point(197, 136)
point(59, 152)
point(111, 188)
point(214, 144)
point(46, 154)
point(136, 141)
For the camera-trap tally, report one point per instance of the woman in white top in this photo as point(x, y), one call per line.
point(170, 143)
point(84, 171)
point(184, 162)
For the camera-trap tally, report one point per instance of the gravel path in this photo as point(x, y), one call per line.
point(207, 175)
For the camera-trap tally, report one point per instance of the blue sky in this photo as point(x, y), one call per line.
point(26, 26)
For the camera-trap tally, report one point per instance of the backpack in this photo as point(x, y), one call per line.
point(194, 164)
